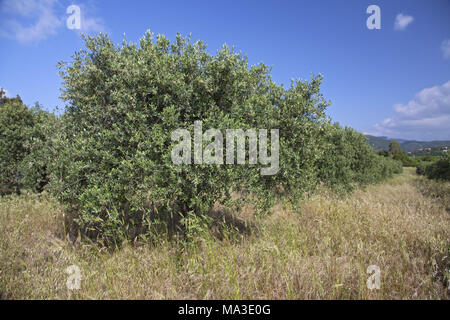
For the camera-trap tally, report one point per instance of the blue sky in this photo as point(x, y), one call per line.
point(393, 81)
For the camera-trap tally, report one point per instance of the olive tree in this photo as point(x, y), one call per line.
point(114, 167)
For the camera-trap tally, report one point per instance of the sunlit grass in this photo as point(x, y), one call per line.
point(320, 250)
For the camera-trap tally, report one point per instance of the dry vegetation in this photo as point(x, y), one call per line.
point(320, 250)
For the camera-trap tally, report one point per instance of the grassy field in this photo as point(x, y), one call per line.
point(319, 251)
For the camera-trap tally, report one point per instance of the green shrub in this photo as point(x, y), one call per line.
point(427, 158)
point(388, 166)
point(15, 123)
point(420, 168)
point(25, 145)
point(348, 160)
point(114, 168)
point(111, 150)
point(108, 158)
point(405, 160)
point(397, 154)
point(439, 170)
point(41, 150)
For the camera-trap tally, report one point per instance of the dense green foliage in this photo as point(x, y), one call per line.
point(108, 158)
point(40, 149)
point(24, 145)
point(397, 154)
point(427, 158)
point(438, 170)
point(394, 148)
point(115, 167)
point(420, 168)
point(424, 161)
point(405, 160)
point(15, 121)
point(348, 160)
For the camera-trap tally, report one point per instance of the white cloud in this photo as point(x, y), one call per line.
point(92, 25)
point(40, 13)
point(425, 117)
point(445, 47)
point(22, 7)
point(402, 21)
point(30, 21)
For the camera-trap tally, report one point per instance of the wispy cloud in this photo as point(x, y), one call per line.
point(445, 47)
point(402, 21)
point(40, 13)
point(90, 23)
point(30, 21)
point(426, 116)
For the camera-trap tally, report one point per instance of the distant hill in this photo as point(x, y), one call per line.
point(382, 143)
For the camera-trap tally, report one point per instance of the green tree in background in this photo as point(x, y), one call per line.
point(4, 99)
point(26, 146)
point(394, 148)
point(348, 160)
point(41, 149)
point(15, 122)
point(438, 170)
point(397, 153)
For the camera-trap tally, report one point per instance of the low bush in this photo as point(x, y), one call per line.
point(439, 170)
point(420, 168)
point(405, 160)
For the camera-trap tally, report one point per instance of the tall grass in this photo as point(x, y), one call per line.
point(320, 250)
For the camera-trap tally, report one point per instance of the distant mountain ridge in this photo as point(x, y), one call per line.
point(382, 143)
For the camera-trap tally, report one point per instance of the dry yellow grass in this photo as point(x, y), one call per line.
point(320, 251)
